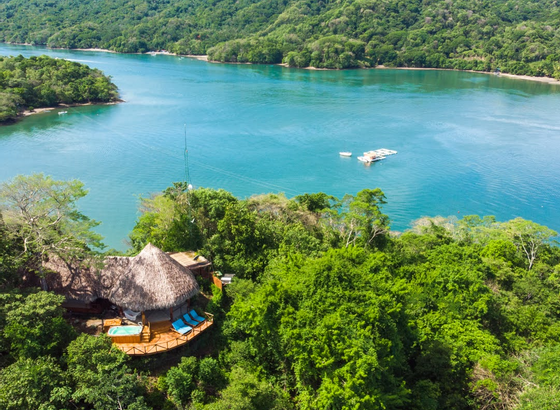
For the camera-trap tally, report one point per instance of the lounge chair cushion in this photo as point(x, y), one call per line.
point(189, 320)
point(180, 327)
point(196, 317)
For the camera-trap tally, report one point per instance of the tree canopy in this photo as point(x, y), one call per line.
point(41, 216)
point(28, 83)
point(518, 37)
point(452, 314)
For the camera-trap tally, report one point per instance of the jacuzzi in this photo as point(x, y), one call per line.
point(125, 334)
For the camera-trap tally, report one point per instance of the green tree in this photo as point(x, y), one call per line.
point(247, 392)
point(99, 376)
point(529, 237)
point(180, 381)
point(35, 327)
point(362, 219)
point(331, 329)
point(42, 215)
point(315, 202)
point(10, 261)
point(33, 384)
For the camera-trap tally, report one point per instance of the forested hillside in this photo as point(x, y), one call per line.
point(519, 36)
point(329, 309)
point(28, 83)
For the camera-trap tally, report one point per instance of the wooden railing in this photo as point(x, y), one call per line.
point(152, 348)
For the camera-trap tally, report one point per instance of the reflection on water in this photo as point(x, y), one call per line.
point(468, 143)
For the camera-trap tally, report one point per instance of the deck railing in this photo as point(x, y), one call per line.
point(158, 347)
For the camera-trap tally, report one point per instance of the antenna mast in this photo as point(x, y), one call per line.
point(190, 219)
point(186, 157)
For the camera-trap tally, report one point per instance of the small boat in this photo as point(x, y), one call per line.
point(368, 159)
point(62, 112)
point(345, 154)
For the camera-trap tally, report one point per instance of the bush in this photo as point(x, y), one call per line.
point(35, 327)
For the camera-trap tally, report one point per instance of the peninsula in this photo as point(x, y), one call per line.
point(33, 83)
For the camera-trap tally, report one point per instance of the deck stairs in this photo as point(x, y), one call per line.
point(146, 334)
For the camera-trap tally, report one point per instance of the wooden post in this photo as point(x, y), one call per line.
point(143, 318)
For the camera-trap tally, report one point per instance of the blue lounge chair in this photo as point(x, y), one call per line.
point(196, 317)
point(180, 327)
point(189, 320)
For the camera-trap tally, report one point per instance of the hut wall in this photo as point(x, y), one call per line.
point(203, 271)
point(77, 306)
point(127, 338)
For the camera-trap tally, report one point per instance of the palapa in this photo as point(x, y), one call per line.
point(153, 281)
point(149, 281)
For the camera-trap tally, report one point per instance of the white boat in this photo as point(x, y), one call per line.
point(62, 112)
point(345, 154)
point(368, 159)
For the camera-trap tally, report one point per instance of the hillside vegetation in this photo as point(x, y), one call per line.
point(519, 36)
point(328, 310)
point(28, 83)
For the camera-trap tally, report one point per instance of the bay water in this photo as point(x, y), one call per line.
point(467, 143)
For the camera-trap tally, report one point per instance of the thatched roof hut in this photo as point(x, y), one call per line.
point(153, 281)
point(150, 280)
point(83, 280)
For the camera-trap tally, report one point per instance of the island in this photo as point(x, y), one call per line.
point(31, 83)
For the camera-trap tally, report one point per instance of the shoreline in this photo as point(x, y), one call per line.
point(546, 80)
point(204, 57)
point(98, 50)
point(41, 110)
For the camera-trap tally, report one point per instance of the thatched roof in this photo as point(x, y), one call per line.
point(153, 281)
point(83, 279)
point(150, 280)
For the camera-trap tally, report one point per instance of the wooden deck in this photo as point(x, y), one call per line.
point(161, 337)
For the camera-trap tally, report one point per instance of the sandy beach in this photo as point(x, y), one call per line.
point(100, 50)
point(547, 80)
point(62, 106)
point(37, 111)
point(196, 57)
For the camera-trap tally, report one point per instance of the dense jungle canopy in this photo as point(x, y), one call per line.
point(35, 82)
point(329, 309)
point(519, 36)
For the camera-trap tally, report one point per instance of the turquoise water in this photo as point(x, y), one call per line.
point(125, 330)
point(468, 143)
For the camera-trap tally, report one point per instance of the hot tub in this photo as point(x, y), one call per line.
point(125, 334)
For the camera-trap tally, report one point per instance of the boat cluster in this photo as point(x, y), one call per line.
point(371, 156)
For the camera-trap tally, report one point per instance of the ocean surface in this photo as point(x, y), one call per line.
point(467, 143)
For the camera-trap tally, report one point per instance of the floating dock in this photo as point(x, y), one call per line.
point(376, 155)
point(382, 152)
